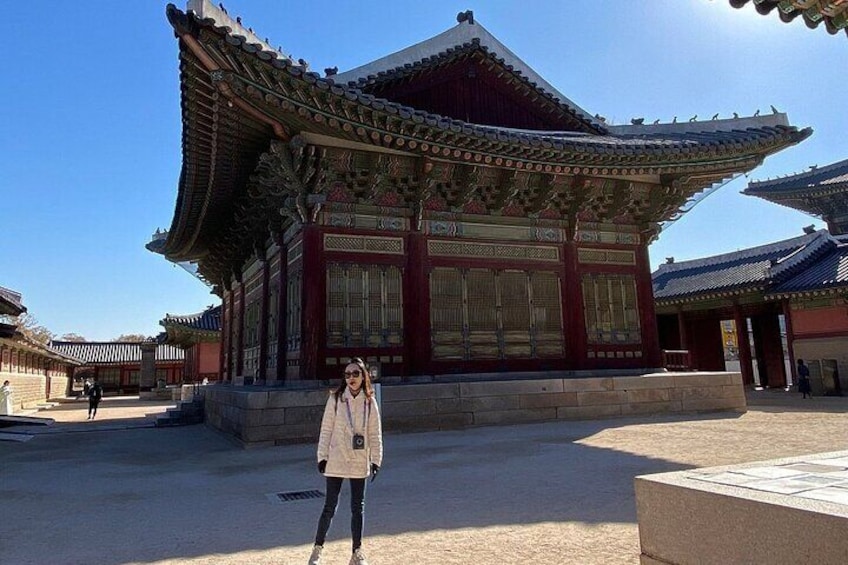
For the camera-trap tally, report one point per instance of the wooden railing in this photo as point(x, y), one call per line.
point(677, 359)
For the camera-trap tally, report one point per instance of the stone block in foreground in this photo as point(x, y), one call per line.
point(786, 511)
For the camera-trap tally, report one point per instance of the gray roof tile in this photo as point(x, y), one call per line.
point(748, 269)
point(114, 353)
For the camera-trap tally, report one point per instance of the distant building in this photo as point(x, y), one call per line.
point(199, 335)
point(798, 285)
point(37, 372)
point(117, 365)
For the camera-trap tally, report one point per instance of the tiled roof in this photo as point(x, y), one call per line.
point(828, 177)
point(114, 353)
point(10, 302)
point(827, 272)
point(833, 13)
point(750, 269)
point(207, 321)
point(273, 96)
point(9, 335)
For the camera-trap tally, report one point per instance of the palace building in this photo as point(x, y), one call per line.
point(199, 335)
point(36, 371)
point(441, 210)
point(790, 296)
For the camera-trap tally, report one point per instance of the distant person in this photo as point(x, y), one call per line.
point(95, 395)
point(804, 379)
point(86, 386)
point(7, 405)
point(350, 447)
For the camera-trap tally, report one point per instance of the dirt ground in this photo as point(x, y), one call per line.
point(546, 494)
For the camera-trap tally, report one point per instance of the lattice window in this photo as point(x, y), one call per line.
point(364, 305)
point(109, 376)
point(236, 325)
point(488, 313)
point(611, 309)
point(272, 328)
point(447, 305)
point(293, 308)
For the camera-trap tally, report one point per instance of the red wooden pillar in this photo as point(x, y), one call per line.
point(416, 306)
point(263, 320)
point(311, 345)
point(647, 312)
point(282, 310)
point(790, 338)
point(238, 318)
point(226, 335)
point(573, 317)
point(744, 343)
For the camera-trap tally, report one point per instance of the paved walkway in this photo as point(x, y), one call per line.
point(546, 494)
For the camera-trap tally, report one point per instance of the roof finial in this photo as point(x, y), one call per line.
point(466, 16)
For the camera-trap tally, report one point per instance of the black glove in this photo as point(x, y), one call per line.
point(374, 470)
point(322, 465)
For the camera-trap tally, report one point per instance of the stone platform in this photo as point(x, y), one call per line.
point(267, 416)
point(785, 511)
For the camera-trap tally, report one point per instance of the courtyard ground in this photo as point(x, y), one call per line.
point(117, 491)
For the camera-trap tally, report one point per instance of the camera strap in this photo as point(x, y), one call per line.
point(350, 415)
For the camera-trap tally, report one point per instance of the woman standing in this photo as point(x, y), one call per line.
point(350, 447)
point(7, 406)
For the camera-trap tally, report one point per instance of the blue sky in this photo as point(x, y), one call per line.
point(90, 120)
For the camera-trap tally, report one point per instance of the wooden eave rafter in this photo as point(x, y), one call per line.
point(376, 127)
point(713, 295)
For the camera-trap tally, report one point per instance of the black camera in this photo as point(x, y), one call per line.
point(358, 441)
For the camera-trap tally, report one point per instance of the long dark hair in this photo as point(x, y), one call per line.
point(366, 376)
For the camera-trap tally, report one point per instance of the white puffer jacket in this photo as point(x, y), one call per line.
point(335, 444)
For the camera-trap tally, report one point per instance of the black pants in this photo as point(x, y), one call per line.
point(357, 509)
point(92, 406)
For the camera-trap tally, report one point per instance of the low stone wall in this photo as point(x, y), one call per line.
point(268, 416)
point(780, 512)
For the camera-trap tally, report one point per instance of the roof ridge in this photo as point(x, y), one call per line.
point(812, 172)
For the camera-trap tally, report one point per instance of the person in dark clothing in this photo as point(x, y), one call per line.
point(95, 394)
point(804, 379)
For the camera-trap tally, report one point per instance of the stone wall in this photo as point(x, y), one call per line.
point(268, 416)
point(835, 348)
point(28, 390)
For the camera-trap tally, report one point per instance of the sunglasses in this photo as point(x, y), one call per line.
point(353, 374)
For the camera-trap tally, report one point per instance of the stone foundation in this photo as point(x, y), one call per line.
point(268, 416)
point(786, 511)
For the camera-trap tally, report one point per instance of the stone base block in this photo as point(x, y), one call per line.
point(786, 511)
point(258, 415)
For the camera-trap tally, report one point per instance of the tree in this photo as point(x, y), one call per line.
point(29, 326)
point(73, 337)
point(131, 337)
